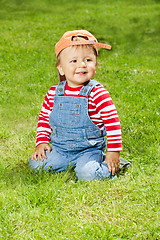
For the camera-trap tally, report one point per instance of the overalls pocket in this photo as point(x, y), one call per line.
point(69, 113)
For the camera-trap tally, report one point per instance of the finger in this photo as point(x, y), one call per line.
point(113, 166)
point(34, 157)
point(44, 154)
point(109, 166)
point(113, 170)
point(40, 157)
point(117, 167)
point(48, 148)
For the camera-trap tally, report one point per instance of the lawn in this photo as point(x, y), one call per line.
point(57, 206)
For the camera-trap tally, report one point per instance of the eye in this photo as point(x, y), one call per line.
point(73, 61)
point(87, 60)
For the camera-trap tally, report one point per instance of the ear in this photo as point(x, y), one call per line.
point(60, 69)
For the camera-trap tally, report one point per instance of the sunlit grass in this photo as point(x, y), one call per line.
point(57, 206)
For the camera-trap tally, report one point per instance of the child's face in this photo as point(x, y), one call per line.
point(78, 64)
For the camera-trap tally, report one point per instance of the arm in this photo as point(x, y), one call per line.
point(108, 113)
point(43, 129)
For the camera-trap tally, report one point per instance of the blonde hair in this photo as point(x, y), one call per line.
point(77, 38)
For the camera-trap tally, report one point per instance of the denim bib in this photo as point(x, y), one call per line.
point(72, 127)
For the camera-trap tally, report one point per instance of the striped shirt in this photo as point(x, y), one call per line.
point(101, 111)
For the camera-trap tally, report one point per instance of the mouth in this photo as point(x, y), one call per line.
point(81, 73)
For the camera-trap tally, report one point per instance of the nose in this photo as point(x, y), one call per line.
point(82, 64)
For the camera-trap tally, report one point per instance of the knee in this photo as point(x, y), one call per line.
point(34, 164)
point(37, 165)
point(87, 172)
point(92, 171)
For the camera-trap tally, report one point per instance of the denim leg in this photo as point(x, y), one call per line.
point(56, 161)
point(90, 166)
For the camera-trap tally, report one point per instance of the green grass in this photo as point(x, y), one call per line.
point(57, 206)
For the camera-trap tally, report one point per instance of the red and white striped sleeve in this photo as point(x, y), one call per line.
point(107, 113)
point(43, 128)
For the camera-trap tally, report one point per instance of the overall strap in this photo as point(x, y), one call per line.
point(86, 90)
point(60, 88)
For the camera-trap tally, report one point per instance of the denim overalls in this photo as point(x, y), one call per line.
point(76, 140)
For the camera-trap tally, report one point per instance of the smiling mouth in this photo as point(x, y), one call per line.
point(81, 73)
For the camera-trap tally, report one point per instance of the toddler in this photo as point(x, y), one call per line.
point(77, 114)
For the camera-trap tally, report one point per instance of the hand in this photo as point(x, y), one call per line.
point(40, 152)
point(113, 161)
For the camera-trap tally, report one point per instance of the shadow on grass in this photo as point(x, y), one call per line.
point(22, 174)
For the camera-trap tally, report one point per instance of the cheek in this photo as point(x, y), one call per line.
point(69, 71)
point(92, 67)
point(66, 68)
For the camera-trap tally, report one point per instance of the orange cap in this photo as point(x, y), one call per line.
point(67, 41)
